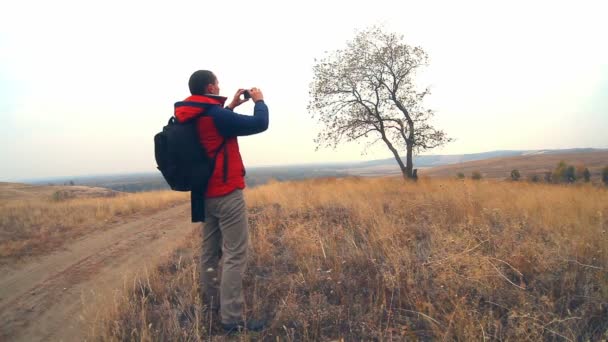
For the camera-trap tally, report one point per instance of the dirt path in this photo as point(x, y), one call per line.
point(52, 298)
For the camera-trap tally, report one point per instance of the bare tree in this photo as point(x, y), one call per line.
point(367, 91)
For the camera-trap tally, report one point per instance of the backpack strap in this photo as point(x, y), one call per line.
point(193, 104)
point(222, 145)
point(225, 162)
point(217, 152)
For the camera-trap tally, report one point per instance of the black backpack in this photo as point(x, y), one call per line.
point(181, 158)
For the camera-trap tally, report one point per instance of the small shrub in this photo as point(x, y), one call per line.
point(570, 174)
point(515, 175)
point(564, 173)
point(460, 175)
point(559, 174)
point(535, 179)
point(62, 195)
point(605, 175)
point(586, 175)
point(476, 175)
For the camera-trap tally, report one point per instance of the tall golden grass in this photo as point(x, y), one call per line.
point(380, 259)
point(38, 225)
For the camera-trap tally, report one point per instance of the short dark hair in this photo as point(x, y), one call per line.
point(200, 80)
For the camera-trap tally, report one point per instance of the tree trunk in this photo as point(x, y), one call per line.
point(397, 157)
point(409, 163)
point(409, 146)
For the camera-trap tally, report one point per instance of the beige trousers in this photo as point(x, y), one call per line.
point(225, 235)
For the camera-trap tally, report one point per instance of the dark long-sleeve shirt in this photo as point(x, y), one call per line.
point(231, 124)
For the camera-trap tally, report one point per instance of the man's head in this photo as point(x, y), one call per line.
point(203, 82)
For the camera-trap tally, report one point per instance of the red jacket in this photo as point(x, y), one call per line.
point(216, 125)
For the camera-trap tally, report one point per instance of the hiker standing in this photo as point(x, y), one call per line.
point(225, 231)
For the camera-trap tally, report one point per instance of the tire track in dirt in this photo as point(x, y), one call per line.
point(45, 299)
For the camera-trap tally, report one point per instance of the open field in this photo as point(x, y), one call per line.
point(528, 165)
point(380, 259)
point(35, 220)
point(56, 297)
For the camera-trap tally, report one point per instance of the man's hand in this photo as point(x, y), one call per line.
point(237, 101)
point(256, 94)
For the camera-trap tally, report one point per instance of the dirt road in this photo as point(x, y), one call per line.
point(53, 298)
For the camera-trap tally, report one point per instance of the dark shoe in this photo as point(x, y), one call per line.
point(249, 325)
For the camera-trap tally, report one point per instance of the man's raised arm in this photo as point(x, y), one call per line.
point(231, 124)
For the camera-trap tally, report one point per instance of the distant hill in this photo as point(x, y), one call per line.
point(135, 182)
point(438, 160)
point(154, 180)
point(389, 166)
point(529, 164)
point(19, 191)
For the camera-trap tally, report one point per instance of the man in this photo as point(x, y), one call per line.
point(225, 232)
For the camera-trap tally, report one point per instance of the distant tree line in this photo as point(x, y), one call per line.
point(562, 174)
point(476, 175)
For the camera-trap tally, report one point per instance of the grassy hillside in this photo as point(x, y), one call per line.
point(534, 164)
point(37, 219)
point(19, 191)
point(380, 259)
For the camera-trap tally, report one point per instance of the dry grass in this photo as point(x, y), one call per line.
point(34, 225)
point(379, 259)
point(161, 305)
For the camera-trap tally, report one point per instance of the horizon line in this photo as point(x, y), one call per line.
point(152, 171)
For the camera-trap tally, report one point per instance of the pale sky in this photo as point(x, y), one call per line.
point(84, 86)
